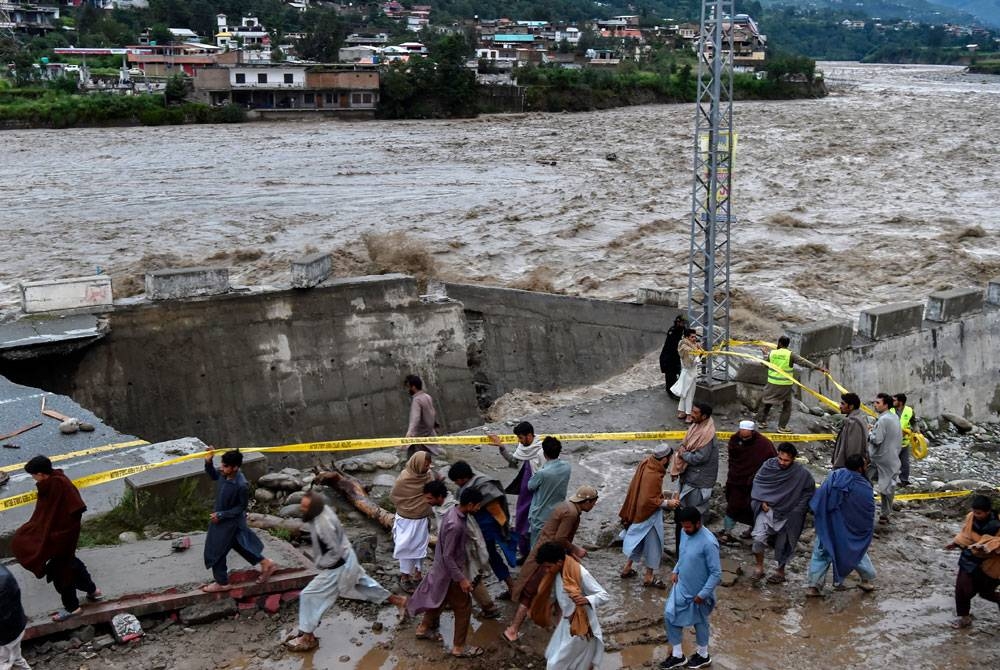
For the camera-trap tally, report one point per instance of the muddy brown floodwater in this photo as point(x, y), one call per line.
point(886, 187)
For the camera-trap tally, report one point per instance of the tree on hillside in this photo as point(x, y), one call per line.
point(323, 38)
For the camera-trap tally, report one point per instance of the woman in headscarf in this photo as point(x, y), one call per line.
point(410, 532)
point(685, 386)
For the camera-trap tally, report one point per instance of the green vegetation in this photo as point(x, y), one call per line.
point(47, 108)
point(986, 66)
point(439, 86)
point(188, 511)
point(554, 89)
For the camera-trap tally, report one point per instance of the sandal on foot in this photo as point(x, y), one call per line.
point(655, 583)
point(961, 622)
point(628, 574)
point(776, 579)
point(757, 576)
point(432, 635)
point(494, 613)
point(300, 645)
point(503, 636)
point(469, 652)
point(63, 615)
point(96, 596)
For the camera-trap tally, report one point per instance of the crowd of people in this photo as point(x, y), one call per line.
point(479, 535)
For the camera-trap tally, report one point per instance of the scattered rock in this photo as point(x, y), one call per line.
point(291, 472)
point(101, 642)
point(128, 537)
point(728, 578)
point(385, 459)
point(208, 612)
point(291, 512)
point(961, 424)
point(61, 645)
point(732, 565)
point(963, 484)
point(263, 495)
point(611, 157)
point(816, 410)
point(294, 498)
point(365, 547)
point(279, 481)
point(383, 480)
point(377, 627)
point(69, 426)
point(85, 634)
point(86, 427)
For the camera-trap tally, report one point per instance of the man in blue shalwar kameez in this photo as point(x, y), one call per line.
point(692, 597)
point(228, 529)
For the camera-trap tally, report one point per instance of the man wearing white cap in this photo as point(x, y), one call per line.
point(748, 450)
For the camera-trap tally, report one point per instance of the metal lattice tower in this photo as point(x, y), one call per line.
point(711, 212)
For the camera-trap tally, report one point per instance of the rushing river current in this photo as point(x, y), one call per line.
point(883, 191)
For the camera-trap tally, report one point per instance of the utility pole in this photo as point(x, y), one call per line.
point(711, 211)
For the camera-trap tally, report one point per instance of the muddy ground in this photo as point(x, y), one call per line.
point(904, 624)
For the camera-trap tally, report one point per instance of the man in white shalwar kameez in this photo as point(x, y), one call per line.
point(577, 643)
point(339, 573)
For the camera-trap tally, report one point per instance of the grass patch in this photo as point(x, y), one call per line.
point(187, 511)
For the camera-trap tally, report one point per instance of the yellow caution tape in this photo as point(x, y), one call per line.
point(368, 443)
point(80, 454)
point(917, 441)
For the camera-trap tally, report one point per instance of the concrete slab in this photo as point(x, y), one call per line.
point(716, 394)
point(993, 291)
point(885, 321)
point(820, 338)
point(165, 483)
point(91, 293)
point(147, 577)
point(311, 270)
point(953, 304)
point(658, 296)
point(186, 282)
point(34, 336)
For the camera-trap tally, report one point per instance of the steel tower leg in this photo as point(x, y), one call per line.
point(711, 213)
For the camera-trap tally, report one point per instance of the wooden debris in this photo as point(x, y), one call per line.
point(52, 414)
point(354, 492)
point(18, 432)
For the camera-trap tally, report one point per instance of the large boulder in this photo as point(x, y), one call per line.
point(280, 481)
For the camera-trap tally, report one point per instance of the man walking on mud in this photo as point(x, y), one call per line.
point(780, 498)
point(228, 530)
point(778, 390)
point(748, 450)
point(339, 575)
point(641, 516)
point(46, 545)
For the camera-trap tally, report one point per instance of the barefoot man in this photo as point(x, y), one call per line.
point(228, 529)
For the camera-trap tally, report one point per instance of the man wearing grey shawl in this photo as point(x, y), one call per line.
point(885, 441)
point(780, 499)
point(340, 574)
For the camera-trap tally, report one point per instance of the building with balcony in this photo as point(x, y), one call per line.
point(331, 89)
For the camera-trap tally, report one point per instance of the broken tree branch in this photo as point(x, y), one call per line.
point(354, 492)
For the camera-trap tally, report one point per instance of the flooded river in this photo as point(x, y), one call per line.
point(886, 187)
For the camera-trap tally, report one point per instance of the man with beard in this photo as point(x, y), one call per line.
point(340, 574)
point(695, 465)
point(979, 562)
point(853, 435)
point(670, 360)
point(641, 515)
point(527, 458)
point(748, 450)
point(692, 597)
point(780, 499)
point(46, 545)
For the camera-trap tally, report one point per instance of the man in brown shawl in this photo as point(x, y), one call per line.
point(642, 517)
point(410, 529)
point(748, 450)
point(560, 528)
point(46, 544)
point(979, 562)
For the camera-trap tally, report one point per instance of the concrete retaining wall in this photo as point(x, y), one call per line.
point(539, 341)
point(273, 368)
